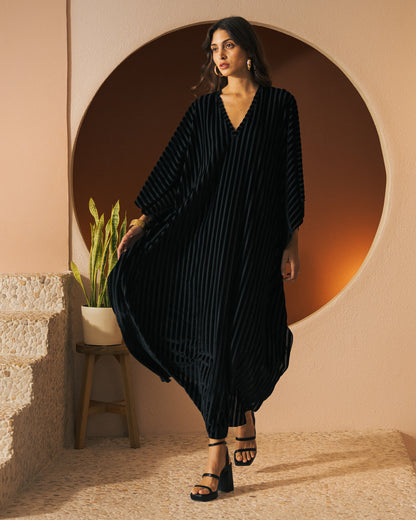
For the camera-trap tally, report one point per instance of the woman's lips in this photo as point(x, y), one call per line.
point(223, 65)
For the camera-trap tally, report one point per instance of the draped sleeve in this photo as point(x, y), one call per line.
point(157, 196)
point(295, 193)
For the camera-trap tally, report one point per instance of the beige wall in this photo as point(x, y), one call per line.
point(353, 361)
point(33, 136)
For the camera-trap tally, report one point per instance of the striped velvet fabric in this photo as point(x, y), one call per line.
point(199, 298)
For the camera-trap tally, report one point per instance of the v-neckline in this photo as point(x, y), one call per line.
point(226, 116)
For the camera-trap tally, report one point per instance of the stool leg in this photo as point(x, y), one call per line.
point(84, 401)
point(128, 397)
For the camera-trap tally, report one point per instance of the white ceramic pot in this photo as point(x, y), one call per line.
point(100, 326)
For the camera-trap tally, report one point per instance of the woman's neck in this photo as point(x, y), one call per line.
point(240, 85)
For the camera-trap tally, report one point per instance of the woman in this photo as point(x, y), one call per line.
point(198, 287)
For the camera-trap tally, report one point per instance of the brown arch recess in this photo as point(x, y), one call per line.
point(136, 110)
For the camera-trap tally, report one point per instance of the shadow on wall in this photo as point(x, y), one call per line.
point(136, 110)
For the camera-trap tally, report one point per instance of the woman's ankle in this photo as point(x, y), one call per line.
point(216, 441)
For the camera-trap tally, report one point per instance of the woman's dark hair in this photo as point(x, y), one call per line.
point(243, 34)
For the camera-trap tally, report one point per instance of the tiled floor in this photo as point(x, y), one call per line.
point(302, 476)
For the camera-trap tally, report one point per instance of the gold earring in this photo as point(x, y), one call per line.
point(215, 71)
point(249, 64)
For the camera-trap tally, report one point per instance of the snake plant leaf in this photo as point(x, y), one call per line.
point(91, 261)
point(114, 233)
point(123, 228)
point(115, 218)
point(95, 255)
point(93, 210)
point(77, 276)
point(92, 228)
point(107, 230)
point(112, 260)
point(102, 285)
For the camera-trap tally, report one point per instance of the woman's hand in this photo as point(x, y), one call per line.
point(291, 256)
point(132, 235)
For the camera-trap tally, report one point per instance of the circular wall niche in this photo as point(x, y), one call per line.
point(136, 110)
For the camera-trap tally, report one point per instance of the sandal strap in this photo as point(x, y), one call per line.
point(201, 485)
point(245, 449)
point(219, 442)
point(245, 438)
point(211, 475)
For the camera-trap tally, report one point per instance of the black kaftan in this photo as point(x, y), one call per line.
point(200, 297)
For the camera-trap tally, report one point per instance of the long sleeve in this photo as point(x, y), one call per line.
point(157, 196)
point(295, 193)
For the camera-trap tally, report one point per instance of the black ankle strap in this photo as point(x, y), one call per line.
point(219, 442)
point(245, 438)
point(210, 475)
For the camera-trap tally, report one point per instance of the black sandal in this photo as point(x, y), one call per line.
point(248, 462)
point(225, 483)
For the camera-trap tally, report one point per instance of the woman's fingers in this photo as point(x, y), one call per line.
point(288, 276)
point(293, 270)
point(123, 246)
point(293, 261)
point(129, 238)
point(120, 249)
point(285, 259)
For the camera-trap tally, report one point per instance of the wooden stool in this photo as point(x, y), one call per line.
point(89, 407)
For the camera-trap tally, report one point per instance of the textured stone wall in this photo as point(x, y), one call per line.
point(40, 292)
point(36, 375)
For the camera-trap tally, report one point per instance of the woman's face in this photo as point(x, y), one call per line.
point(229, 57)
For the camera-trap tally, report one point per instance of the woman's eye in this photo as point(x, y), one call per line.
point(228, 45)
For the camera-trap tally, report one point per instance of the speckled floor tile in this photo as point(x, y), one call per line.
point(302, 476)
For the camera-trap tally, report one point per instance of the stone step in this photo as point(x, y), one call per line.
point(16, 377)
point(34, 292)
point(8, 411)
point(25, 334)
point(32, 390)
point(28, 442)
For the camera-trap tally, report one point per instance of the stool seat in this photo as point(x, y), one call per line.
point(88, 406)
point(102, 350)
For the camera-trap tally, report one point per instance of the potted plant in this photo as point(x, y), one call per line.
point(99, 322)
